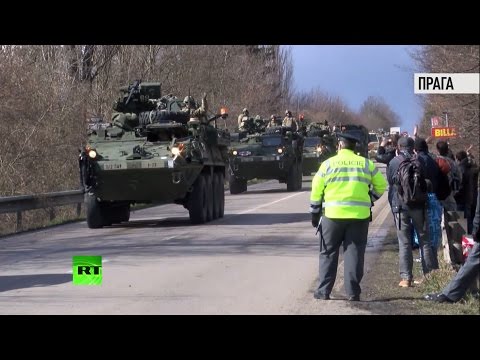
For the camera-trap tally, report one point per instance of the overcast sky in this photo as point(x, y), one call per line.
point(355, 72)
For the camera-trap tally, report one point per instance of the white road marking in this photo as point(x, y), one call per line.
point(267, 204)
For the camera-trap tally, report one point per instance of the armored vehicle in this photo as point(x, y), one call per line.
point(156, 149)
point(361, 132)
point(274, 154)
point(316, 150)
point(373, 144)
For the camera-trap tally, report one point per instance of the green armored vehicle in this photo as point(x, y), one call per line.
point(316, 150)
point(361, 132)
point(319, 145)
point(274, 154)
point(157, 149)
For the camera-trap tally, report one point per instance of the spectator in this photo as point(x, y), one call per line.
point(458, 286)
point(431, 167)
point(466, 192)
point(407, 217)
point(448, 166)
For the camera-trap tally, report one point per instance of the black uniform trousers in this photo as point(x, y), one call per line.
point(352, 233)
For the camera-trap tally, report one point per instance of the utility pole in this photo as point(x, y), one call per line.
point(446, 123)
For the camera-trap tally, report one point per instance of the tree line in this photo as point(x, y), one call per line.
point(461, 110)
point(50, 92)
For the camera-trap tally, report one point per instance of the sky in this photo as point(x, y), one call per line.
point(355, 72)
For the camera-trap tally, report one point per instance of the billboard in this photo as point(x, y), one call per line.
point(444, 132)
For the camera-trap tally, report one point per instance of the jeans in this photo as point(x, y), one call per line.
point(415, 218)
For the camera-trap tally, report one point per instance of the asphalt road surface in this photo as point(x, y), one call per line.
point(261, 258)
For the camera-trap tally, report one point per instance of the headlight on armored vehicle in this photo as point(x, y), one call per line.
point(234, 152)
point(280, 150)
point(319, 149)
point(92, 154)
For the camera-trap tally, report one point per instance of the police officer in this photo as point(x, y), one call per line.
point(345, 186)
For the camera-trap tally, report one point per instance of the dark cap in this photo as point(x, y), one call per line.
point(420, 145)
point(406, 142)
point(347, 136)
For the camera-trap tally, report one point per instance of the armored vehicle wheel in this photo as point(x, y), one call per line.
point(217, 196)
point(237, 185)
point(95, 213)
point(210, 196)
point(292, 178)
point(299, 173)
point(197, 201)
point(221, 194)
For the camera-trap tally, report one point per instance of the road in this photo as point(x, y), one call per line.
point(261, 258)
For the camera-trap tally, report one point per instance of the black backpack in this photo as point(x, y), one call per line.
point(411, 183)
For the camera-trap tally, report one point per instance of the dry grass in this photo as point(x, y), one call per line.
point(40, 218)
point(435, 282)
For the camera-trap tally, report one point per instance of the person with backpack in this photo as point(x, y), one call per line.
point(430, 166)
point(406, 175)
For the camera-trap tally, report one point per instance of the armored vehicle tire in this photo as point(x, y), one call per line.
point(95, 213)
point(292, 177)
point(237, 186)
point(197, 201)
point(217, 195)
point(221, 194)
point(210, 196)
point(299, 173)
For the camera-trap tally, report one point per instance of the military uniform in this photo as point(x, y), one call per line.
point(345, 186)
point(199, 113)
point(290, 121)
point(243, 117)
point(273, 122)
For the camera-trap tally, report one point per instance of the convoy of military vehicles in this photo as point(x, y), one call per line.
point(164, 149)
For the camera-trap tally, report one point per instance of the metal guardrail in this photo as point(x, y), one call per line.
point(455, 228)
point(21, 203)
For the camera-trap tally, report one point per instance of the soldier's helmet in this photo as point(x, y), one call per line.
point(245, 111)
point(288, 113)
point(272, 117)
point(258, 118)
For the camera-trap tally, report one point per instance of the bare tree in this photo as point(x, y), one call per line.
point(462, 110)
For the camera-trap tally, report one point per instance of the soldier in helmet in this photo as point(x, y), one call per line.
point(274, 121)
point(290, 121)
point(259, 124)
point(243, 117)
point(188, 103)
point(193, 111)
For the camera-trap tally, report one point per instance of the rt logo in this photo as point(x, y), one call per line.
point(87, 270)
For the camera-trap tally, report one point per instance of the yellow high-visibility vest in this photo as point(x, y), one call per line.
point(343, 184)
